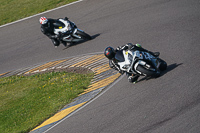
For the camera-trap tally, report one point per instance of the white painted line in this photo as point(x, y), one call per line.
point(40, 13)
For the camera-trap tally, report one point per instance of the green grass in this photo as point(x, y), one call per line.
point(12, 10)
point(26, 101)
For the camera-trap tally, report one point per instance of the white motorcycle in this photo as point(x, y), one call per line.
point(73, 35)
point(140, 63)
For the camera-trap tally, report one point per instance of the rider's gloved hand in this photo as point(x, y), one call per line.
point(66, 18)
point(118, 48)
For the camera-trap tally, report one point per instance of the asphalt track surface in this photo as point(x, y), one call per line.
point(168, 104)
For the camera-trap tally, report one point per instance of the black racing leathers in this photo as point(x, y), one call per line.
point(48, 30)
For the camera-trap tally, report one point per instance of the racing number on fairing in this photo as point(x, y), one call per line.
point(147, 55)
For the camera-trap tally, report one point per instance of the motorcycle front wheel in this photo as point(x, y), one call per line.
point(148, 72)
point(84, 35)
point(163, 65)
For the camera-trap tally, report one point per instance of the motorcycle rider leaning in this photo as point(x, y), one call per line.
point(52, 29)
point(110, 52)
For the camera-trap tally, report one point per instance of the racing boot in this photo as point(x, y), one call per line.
point(56, 43)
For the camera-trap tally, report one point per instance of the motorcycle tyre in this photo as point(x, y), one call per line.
point(163, 65)
point(149, 73)
point(84, 35)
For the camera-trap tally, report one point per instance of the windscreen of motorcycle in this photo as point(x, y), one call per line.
point(59, 24)
point(119, 56)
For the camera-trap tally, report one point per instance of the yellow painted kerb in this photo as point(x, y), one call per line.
point(88, 60)
point(47, 65)
point(60, 115)
point(3, 73)
point(101, 83)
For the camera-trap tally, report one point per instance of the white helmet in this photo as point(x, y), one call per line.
point(43, 20)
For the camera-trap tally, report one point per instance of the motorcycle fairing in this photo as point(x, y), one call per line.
point(146, 60)
point(122, 57)
point(58, 24)
point(129, 61)
point(74, 33)
point(61, 26)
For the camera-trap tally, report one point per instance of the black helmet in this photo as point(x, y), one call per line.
point(109, 52)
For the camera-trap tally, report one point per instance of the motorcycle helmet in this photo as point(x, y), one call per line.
point(109, 52)
point(43, 20)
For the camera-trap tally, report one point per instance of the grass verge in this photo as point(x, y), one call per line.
point(27, 101)
point(12, 10)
